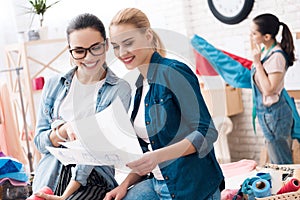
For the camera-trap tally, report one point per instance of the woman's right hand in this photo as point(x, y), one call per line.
point(68, 131)
point(116, 194)
point(64, 132)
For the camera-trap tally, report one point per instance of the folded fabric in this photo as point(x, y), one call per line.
point(237, 168)
point(8, 165)
point(45, 190)
point(229, 194)
point(13, 182)
point(18, 176)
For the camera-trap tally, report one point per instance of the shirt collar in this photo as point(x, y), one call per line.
point(154, 62)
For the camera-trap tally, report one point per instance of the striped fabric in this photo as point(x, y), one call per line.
point(96, 186)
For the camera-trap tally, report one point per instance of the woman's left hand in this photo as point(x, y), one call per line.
point(145, 164)
point(48, 196)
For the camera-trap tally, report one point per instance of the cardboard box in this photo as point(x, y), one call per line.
point(223, 102)
point(234, 101)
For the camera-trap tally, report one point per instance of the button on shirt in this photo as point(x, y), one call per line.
point(140, 127)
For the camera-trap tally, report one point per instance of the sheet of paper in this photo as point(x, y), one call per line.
point(73, 156)
point(76, 144)
point(106, 138)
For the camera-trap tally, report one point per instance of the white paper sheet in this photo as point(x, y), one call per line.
point(106, 138)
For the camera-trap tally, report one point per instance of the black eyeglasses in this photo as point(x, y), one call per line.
point(96, 50)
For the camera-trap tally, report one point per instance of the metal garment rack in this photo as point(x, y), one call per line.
point(29, 154)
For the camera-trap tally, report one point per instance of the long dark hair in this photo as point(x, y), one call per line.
point(269, 24)
point(86, 20)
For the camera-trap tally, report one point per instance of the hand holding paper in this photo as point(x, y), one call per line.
point(106, 138)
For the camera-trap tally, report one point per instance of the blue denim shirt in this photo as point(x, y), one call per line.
point(175, 110)
point(55, 90)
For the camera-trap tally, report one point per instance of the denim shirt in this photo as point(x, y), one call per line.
point(175, 110)
point(55, 90)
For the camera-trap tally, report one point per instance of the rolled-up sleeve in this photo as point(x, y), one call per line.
point(185, 86)
point(80, 173)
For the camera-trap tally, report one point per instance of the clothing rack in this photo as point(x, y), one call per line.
point(29, 154)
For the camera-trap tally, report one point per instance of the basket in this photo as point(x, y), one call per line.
point(285, 196)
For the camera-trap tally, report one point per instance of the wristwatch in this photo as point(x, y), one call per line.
point(230, 11)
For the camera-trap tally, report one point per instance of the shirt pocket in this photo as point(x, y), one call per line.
point(164, 115)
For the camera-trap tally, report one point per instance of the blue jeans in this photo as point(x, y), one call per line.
point(153, 189)
point(276, 123)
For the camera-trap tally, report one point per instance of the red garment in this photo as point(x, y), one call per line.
point(203, 67)
point(245, 62)
point(10, 143)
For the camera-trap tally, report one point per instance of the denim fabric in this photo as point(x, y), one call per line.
point(149, 189)
point(152, 189)
point(175, 110)
point(48, 171)
point(276, 122)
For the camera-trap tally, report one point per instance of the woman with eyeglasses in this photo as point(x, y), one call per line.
point(89, 87)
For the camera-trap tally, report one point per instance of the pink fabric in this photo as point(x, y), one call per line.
point(13, 182)
point(238, 168)
point(10, 143)
point(45, 190)
point(228, 194)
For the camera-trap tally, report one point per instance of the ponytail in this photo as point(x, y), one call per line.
point(287, 44)
point(158, 45)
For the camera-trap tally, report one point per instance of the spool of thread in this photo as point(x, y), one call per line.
point(261, 188)
point(291, 186)
point(296, 174)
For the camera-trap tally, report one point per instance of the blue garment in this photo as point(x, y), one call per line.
point(55, 90)
point(276, 122)
point(152, 189)
point(13, 169)
point(175, 110)
point(238, 76)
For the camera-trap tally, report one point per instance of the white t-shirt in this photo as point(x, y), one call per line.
point(80, 101)
point(140, 127)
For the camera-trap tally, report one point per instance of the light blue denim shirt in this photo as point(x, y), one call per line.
point(55, 90)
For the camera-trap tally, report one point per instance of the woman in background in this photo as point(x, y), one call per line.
point(86, 89)
point(170, 118)
point(270, 64)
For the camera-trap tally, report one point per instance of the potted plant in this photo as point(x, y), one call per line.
point(39, 7)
